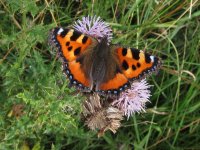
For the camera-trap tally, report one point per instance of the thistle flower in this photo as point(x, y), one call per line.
point(99, 117)
point(94, 27)
point(134, 99)
point(107, 116)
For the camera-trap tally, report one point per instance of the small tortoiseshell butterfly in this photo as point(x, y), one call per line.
point(96, 66)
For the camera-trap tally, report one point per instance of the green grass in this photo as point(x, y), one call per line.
point(31, 75)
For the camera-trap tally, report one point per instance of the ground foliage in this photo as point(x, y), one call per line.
point(39, 111)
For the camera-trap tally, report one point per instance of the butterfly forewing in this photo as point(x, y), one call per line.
point(136, 63)
point(71, 43)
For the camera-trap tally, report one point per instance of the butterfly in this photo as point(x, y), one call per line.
point(93, 65)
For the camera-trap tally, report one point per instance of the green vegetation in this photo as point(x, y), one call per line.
point(39, 111)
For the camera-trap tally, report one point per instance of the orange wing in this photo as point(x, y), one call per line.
point(72, 44)
point(76, 76)
point(136, 63)
point(133, 64)
point(116, 85)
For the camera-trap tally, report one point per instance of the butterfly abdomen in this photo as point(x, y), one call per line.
point(100, 61)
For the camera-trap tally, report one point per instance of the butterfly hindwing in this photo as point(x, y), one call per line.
point(115, 85)
point(76, 75)
point(136, 63)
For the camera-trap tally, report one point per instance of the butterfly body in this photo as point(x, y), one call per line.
point(103, 65)
point(96, 66)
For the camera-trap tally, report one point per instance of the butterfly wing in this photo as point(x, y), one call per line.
point(72, 45)
point(132, 64)
point(135, 63)
point(115, 85)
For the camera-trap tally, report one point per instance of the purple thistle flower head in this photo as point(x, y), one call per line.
point(134, 99)
point(94, 27)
